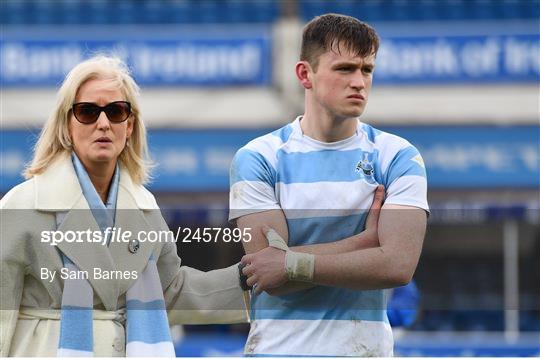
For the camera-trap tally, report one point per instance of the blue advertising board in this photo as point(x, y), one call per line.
point(477, 157)
point(176, 57)
point(202, 56)
point(430, 59)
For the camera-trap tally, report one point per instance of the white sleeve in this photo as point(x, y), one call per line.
point(252, 181)
point(405, 179)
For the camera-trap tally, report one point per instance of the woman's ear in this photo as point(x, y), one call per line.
point(303, 73)
point(129, 129)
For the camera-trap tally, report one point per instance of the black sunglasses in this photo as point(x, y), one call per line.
point(87, 112)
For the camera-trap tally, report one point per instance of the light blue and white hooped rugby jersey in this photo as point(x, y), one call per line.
point(325, 191)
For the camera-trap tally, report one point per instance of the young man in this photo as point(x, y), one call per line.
point(312, 181)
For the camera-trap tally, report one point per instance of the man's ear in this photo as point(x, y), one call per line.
point(303, 73)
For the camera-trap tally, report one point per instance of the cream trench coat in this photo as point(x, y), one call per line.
point(29, 316)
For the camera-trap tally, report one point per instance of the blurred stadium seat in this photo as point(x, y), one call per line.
point(257, 11)
point(60, 12)
point(424, 10)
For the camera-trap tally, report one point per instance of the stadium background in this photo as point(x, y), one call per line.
point(458, 78)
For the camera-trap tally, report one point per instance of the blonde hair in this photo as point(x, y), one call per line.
point(55, 140)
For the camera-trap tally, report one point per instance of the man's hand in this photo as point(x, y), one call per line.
point(266, 268)
point(369, 237)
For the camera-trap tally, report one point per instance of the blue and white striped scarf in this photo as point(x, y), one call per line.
point(147, 324)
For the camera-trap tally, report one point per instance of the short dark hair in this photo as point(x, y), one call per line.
point(334, 31)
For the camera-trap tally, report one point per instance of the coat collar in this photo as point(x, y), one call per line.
point(58, 189)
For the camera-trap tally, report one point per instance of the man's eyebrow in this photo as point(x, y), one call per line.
point(353, 64)
point(346, 63)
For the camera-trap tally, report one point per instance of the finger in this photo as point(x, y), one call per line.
point(378, 198)
point(251, 281)
point(248, 270)
point(372, 220)
point(247, 259)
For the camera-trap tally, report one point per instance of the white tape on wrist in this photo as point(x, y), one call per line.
point(298, 266)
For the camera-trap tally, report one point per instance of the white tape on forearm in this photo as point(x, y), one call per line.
point(299, 266)
point(275, 240)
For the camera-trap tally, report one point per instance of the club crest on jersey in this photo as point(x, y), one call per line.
point(365, 167)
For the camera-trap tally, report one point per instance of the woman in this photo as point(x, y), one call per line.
point(92, 293)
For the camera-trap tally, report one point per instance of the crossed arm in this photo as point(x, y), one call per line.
point(275, 219)
point(383, 256)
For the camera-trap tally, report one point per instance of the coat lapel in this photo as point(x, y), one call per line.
point(88, 256)
point(58, 190)
point(130, 218)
